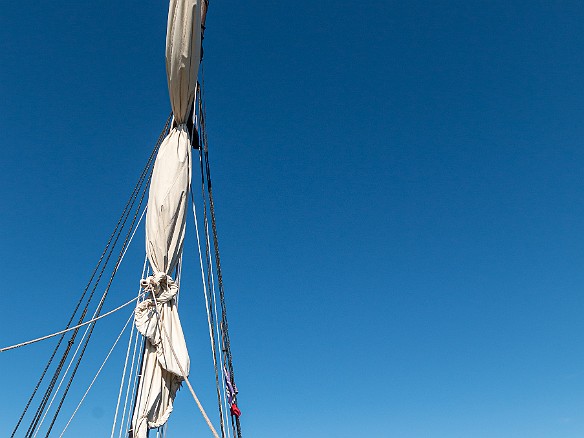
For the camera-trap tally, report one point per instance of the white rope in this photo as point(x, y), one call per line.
point(132, 236)
point(67, 371)
point(135, 373)
point(184, 374)
point(22, 344)
point(219, 338)
point(203, 280)
point(126, 365)
point(87, 330)
point(61, 382)
point(225, 420)
point(131, 375)
point(122, 381)
point(178, 276)
point(206, 298)
point(97, 374)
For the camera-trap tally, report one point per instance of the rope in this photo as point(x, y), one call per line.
point(125, 367)
point(97, 374)
point(99, 307)
point(121, 390)
point(109, 246)
point(184, 375)
point(135, 373)
point(217, 328)
point(89, 330)
point(209, 303)
point(224, 325)
point(75, 311)
point(42, 420)
point(207, 306)
point(42, 338)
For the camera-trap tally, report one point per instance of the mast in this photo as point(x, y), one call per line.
point(166, 360)
point(163, 368)
point(164, 363)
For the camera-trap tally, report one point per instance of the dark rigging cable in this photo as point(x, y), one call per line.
point(113, 238)
point(211, 303)
point(224, 325)
point(100, 306)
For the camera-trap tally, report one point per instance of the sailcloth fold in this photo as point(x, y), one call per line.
point(157, 316)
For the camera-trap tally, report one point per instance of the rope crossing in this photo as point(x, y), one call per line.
point(217, 318)
point(92, 285)
point(42, 338)
point(235, 412)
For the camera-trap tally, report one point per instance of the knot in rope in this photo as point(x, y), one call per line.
point(154, 283)
point(161, 286)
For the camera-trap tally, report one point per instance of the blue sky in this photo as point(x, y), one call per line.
point(399, 199)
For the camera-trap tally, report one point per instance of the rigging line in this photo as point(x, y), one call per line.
point(97, 375)
point(217, 327)
point(83, 295)
point(233, 423)
point(122, 382)
point(205, 148)
point(100, 305)
point(116, 233)
point(209, 303)
point(215, 333)
point(184, 375)
point(86, 331)
point(132, 376)
point(125, 365)
point(178, 277)
point(213, 329)
point(209, 280)
point(131, 370)
point(22, 344)
point(221, 390)
point(136, 387)
point(134, 383)
point(42, 420)
point(216, 245)
point(218, 331)
point(91, 327)
point(222, 343)
point(129, 238)
point(207, 306)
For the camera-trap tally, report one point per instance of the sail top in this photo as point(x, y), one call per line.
point(183, 54)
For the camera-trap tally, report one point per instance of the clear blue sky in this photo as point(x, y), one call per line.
point(399, 195)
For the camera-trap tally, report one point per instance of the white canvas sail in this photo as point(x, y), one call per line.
point(157, 319)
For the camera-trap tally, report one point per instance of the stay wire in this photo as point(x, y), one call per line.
point(100, 305)
point(211, 321)
point(33, 341)
point(123, 220)
point(47, 366)
point(96, 375)
point(216, 247)
point(131, 370)
point(89, 329)
point(210, 303)
point(117, 231)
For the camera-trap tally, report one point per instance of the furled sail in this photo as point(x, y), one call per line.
point(157, 316)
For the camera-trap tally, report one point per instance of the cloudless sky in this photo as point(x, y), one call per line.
point(399, 199)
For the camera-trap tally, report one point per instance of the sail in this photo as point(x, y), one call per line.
point(166, 356)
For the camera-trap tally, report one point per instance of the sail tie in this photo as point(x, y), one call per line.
point(160, 285)
point(161, 289)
